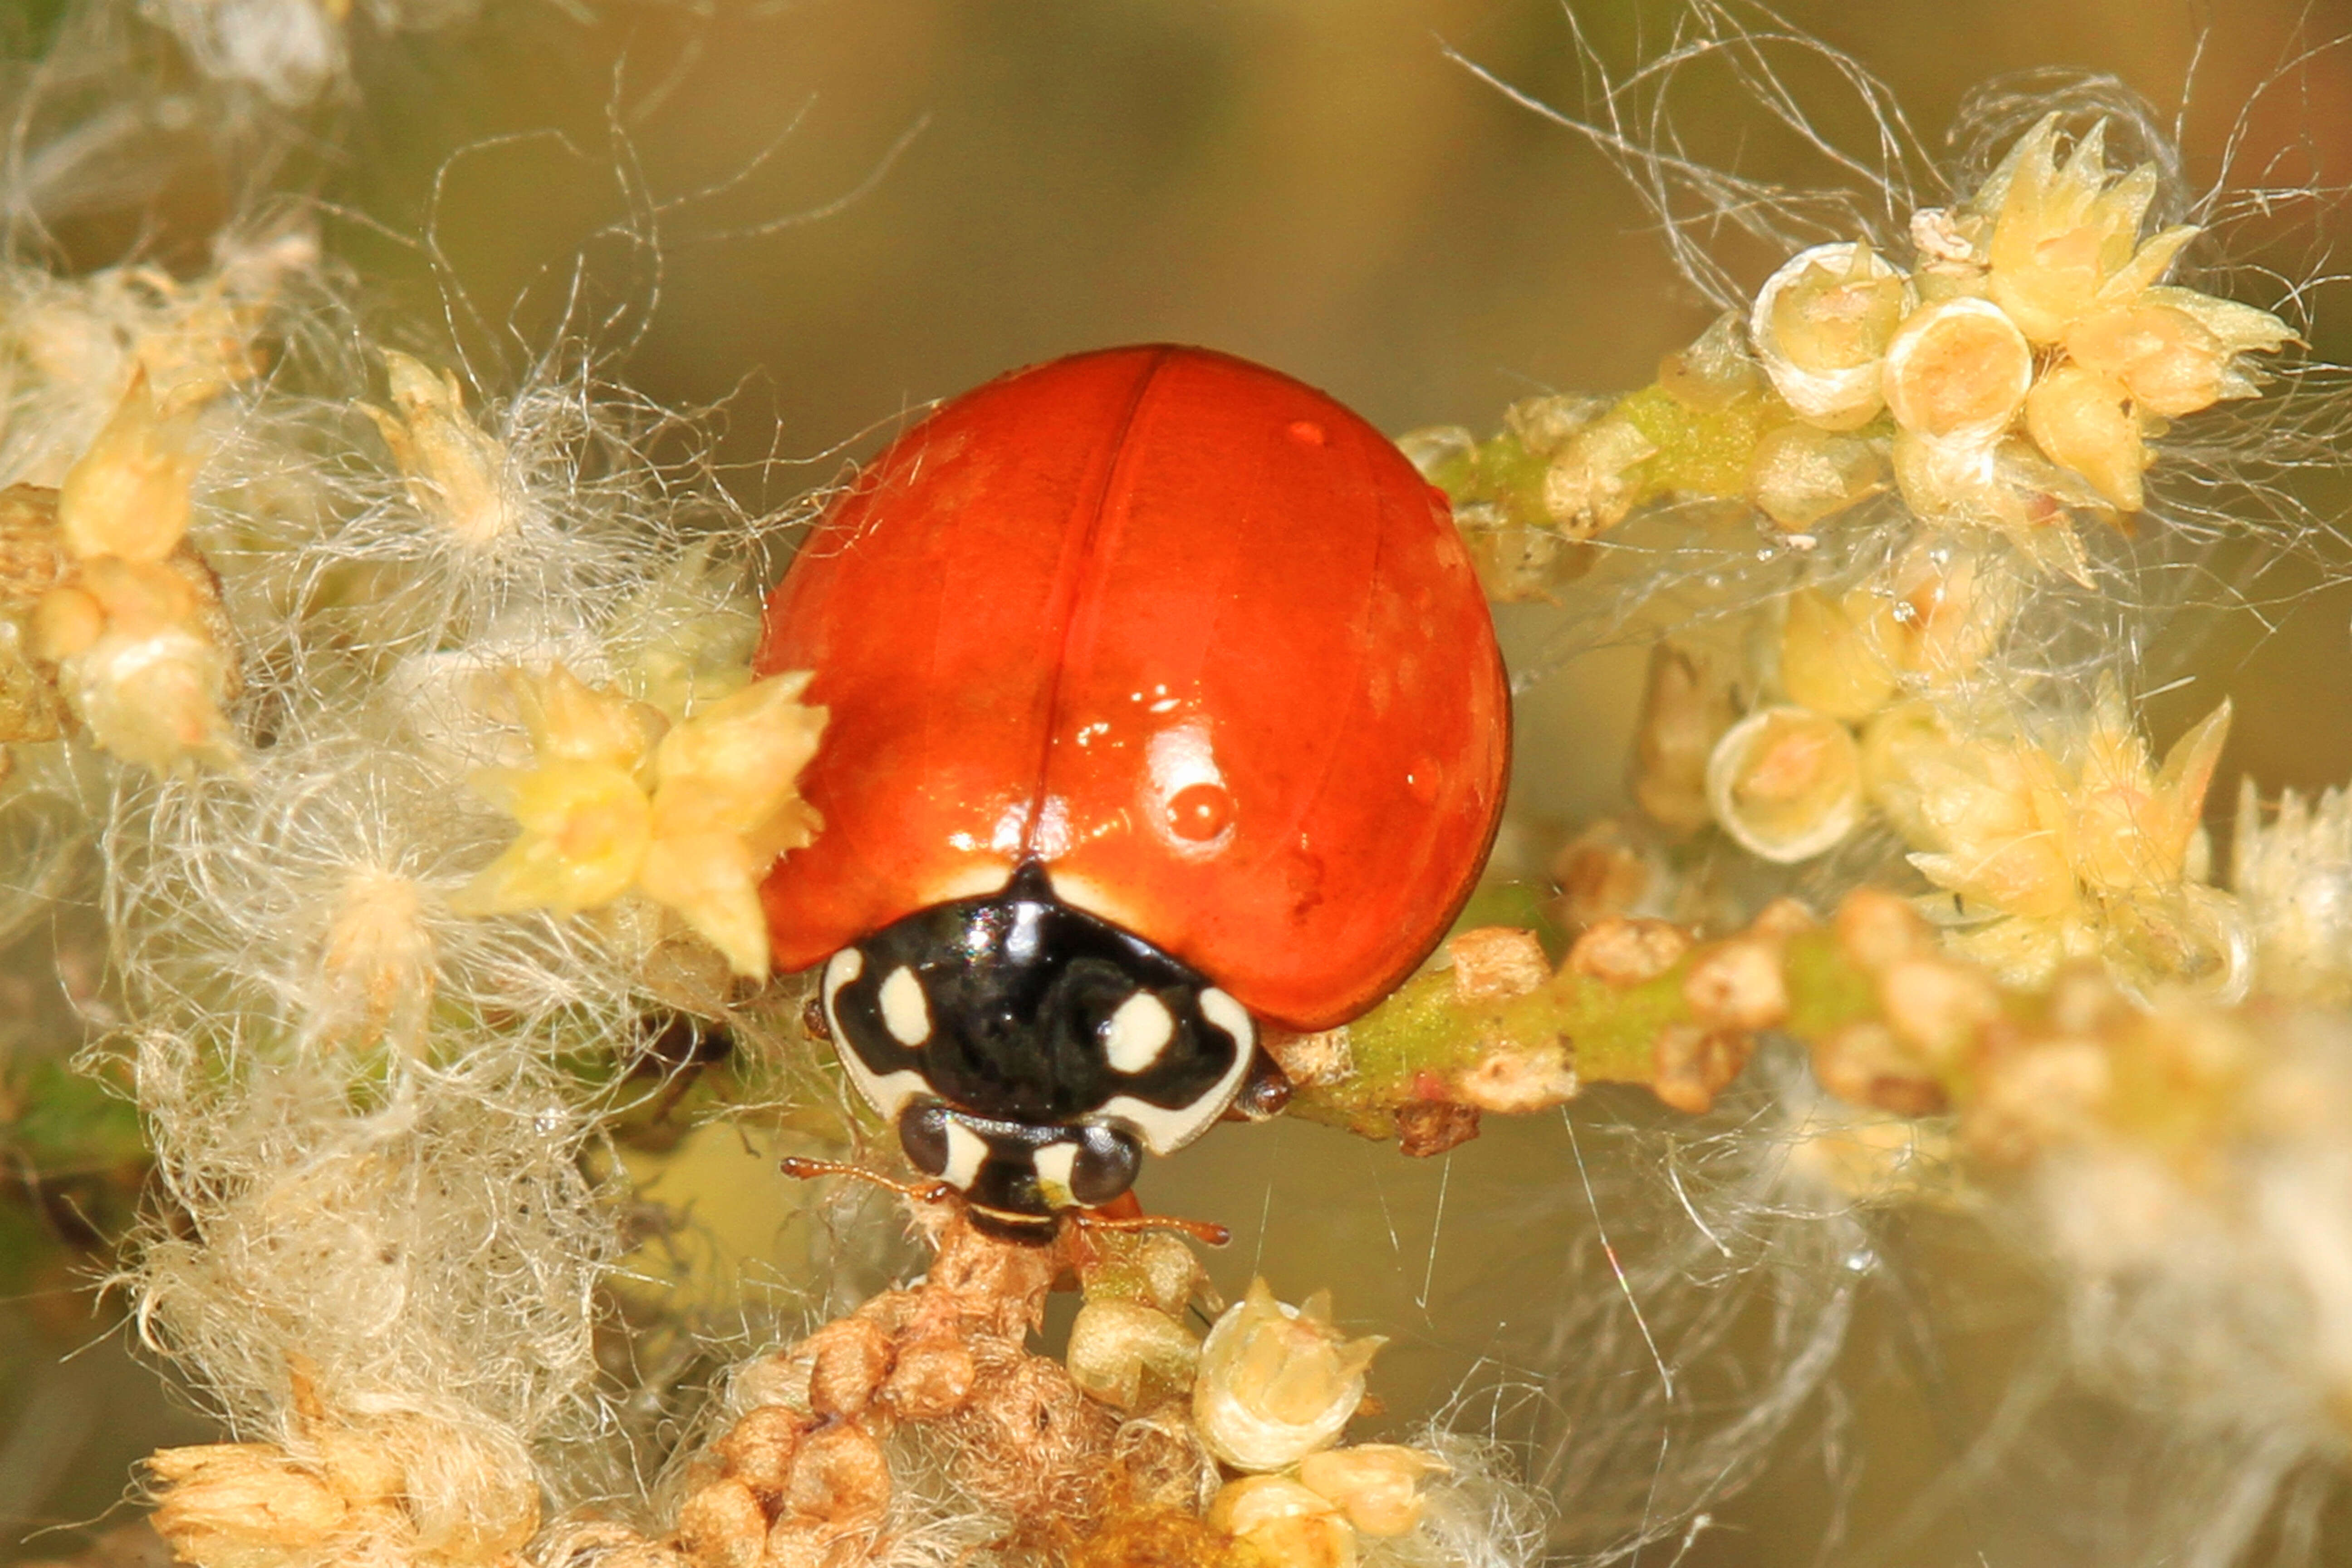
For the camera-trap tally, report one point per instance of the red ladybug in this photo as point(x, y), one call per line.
point(1164, 699)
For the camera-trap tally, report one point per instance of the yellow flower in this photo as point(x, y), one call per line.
point(615, 799)
point(2175, 351)
point(2083, 847)
point(456, 470)
point(2065, 237)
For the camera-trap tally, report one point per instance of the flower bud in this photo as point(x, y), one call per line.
point(1278, 1382)
point(1377, 1485)
point(2064, 239)
point(1590, 485)
point(1684, 709)
point(244, 1505)
point(1786, 784)
point(1830, 658)
point(1800, 475)
point(585, 826)
point(1821, 326)
point(1957, 371)
point(2080, 420)
point(457, 471)
point(154, 699)
point(1900, 745)
point(2294, 875)
point(2190, 938)
point(128, 494)
point(2175, 349)
point(1128, 1355)
point(1288, 1525)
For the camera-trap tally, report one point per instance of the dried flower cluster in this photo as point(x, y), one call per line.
point(922, 1421)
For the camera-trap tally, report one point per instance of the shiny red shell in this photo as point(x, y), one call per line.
point(1186, 631)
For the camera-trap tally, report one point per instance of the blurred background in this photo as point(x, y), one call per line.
point(817, 215)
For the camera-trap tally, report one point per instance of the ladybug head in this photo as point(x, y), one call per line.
point(1029, 1052)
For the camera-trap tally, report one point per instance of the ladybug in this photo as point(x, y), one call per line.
point(1165, 705)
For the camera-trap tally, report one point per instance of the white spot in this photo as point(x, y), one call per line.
point(1164, 1131)
point(906, 1011)
point(1138, 1032)
point(1054, 1162)
point(839, 970)
point(967, 1151)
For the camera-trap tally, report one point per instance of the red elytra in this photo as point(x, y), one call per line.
point(1187, 631)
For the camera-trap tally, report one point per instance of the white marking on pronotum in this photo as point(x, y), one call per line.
point(1138, 1032)
point(839, 970)
point(906, 1011)
point(1164, 1129)
point(967, 1151)
point(1054, 1162)
point(1228, 1015)
point(888, 1093)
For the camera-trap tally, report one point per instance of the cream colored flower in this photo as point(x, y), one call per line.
point(692, 815)
point(1786, 783)
point(1830, 658)
point(1129, 1356)
point(457, 471)
point(1590, 485)
point(2065, 235)
point(2294, 876)
point(1821, 326)
point(2080, 848)
point(127, 495)
point(1278, 1382)
point(131, 617)
point(1956, 370)
point(1283, 1523)
point(1377, 1485)
point(1800, 474)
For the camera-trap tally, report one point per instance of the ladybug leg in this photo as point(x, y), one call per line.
point(813, 1019)
point(1263, 1093)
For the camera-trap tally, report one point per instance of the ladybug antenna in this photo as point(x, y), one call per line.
point(804, 1168)
point(801, 1168)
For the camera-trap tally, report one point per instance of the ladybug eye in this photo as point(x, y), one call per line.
point(941, 1145)
point(1101, 1164)
point(923, 1134)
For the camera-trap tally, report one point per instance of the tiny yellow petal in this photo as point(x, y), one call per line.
point(571, 720)
point(127, 495)
point(2082, 421)
point(585, 827)
point(456, 470)
point(1830, 660)
point(712, 879)
point(735, 766)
